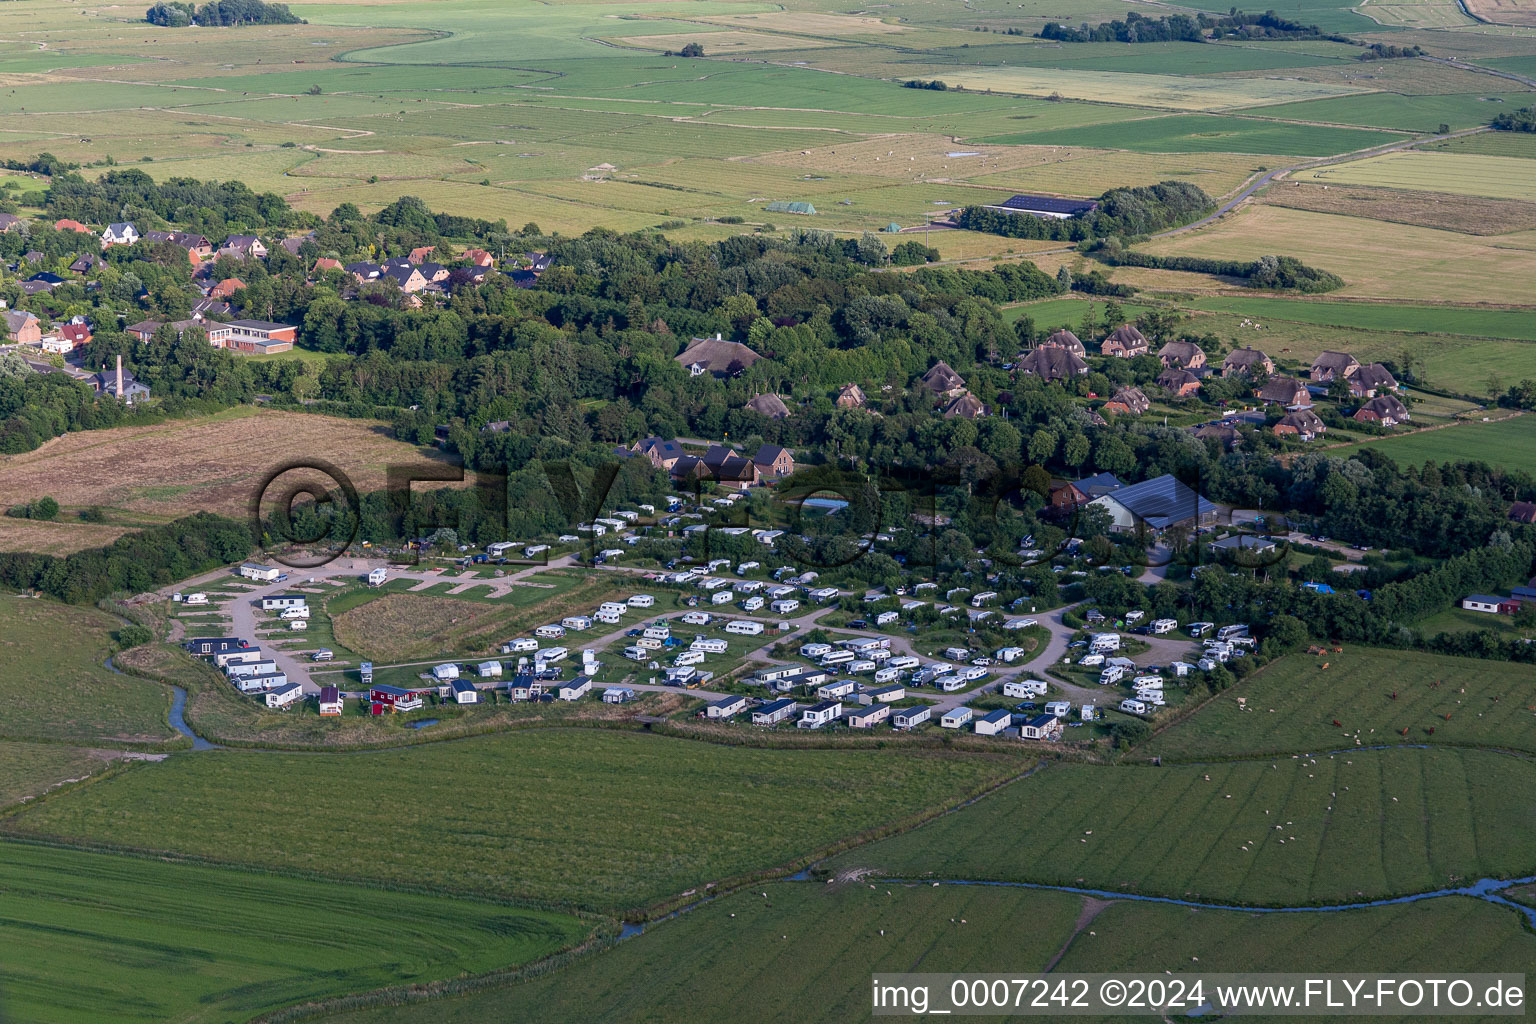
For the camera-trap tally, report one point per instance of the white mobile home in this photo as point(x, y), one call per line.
point(284, 695)
point(278, 602)
point(575, 689)
point(550, 632)
point(993, 722)
point(820, 714)
point(464, 692)
point(774, 712)
point(1132, 706)
point(725, 707)
point(576, 622)
point(868, 717)
point(708, 645)
point(911, 718)
point(954, 718)
point(1059, 708)
point(607, 618)
point(551, 654)
point(640, 601)
point(522, 645)
point(744, 626)
point(784, 606)
point(836, 688)
point(378, 577)
point(260, 573)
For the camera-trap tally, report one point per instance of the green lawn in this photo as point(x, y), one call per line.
point(607, 820)
point(1509, 443)
point(746, 958)
point(1350, 826)
point(87, 937)
point(1370, 316)
point(55, 684)
point(1356, 691)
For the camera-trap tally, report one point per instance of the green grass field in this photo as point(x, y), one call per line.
point(1498, 177)
point(608, 820)
point(1374, 316)
point(1355, 691)
point(1205, 133)
point(1507, 443)
point(1404, 113)
point(1330, 829)
point(28, 770)
point(776, 954)
point(57, 687)
point(88, 937)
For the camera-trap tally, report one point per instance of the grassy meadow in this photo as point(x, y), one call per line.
point(1507, 443)
point(640, 818)
point(1325, 829)
point(57, 686)
point(704, 966)
point(90, 937)
point(1291, 705)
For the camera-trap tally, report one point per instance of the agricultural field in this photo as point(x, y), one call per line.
point(1376, 316)
point(83, 701)
point(1426, 265)
point(1472, 215)
point(1326, 828)
point(479, 819)
point(1389, 111)
point(1485, 709)
point(142, 475)
point(1507, 443)
point(169, 941)
point(1497, 177)
point(1196, 133)
point(762, 946)
point(403, 626)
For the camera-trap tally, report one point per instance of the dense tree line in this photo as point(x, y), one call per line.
point(1187, 28)
point(221, 13)
point(135, 563)
point(1522, 120)
point(1120, 211)
point(1270, 272)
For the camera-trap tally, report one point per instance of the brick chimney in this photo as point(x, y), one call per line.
point(119, 375)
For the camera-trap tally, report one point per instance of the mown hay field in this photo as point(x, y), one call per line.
point(1498, 177)
point(1470, 215)
point(1425, 264)
point(1330, 828)
point(1487, 709)
point(204, 464)
point(166, 941)
point(699, 968)
point(602, 819)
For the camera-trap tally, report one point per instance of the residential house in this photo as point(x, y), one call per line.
point(244, 246)
point(10, 222)
point(210, 307)
point(1286, 391)
point(1124, 342)
point(120, 233)
point(1085, 490)
point(1178, 382)
point(942, 380)
point(323, 264)
point(197, 247)
point(717, 356)
point(850, 396)
point(1330, 365)
point(1222, 432)
point(68, 337)
point(1064, 338)
point(86, 263)
point(1387, 410)
point(661, 453)
point(738, 473)
point(1302, 424)
point(293, 244)
point(121, 384)
point(44, 282)
point(1523, 512)
point(1370, 380)
point(479, 258)
point(421, 254)
point(1127, 402)
point(226, 288)
point(773, 462)
point(1183, 354)
point(820, 714)
point(967, 407)
point(770, 405)
point(1052, 362)
point(1158, 504)
point(72, 225)
point(1248, 361)
point(22, 327)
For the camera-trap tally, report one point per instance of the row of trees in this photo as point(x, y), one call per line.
point(216, 13)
